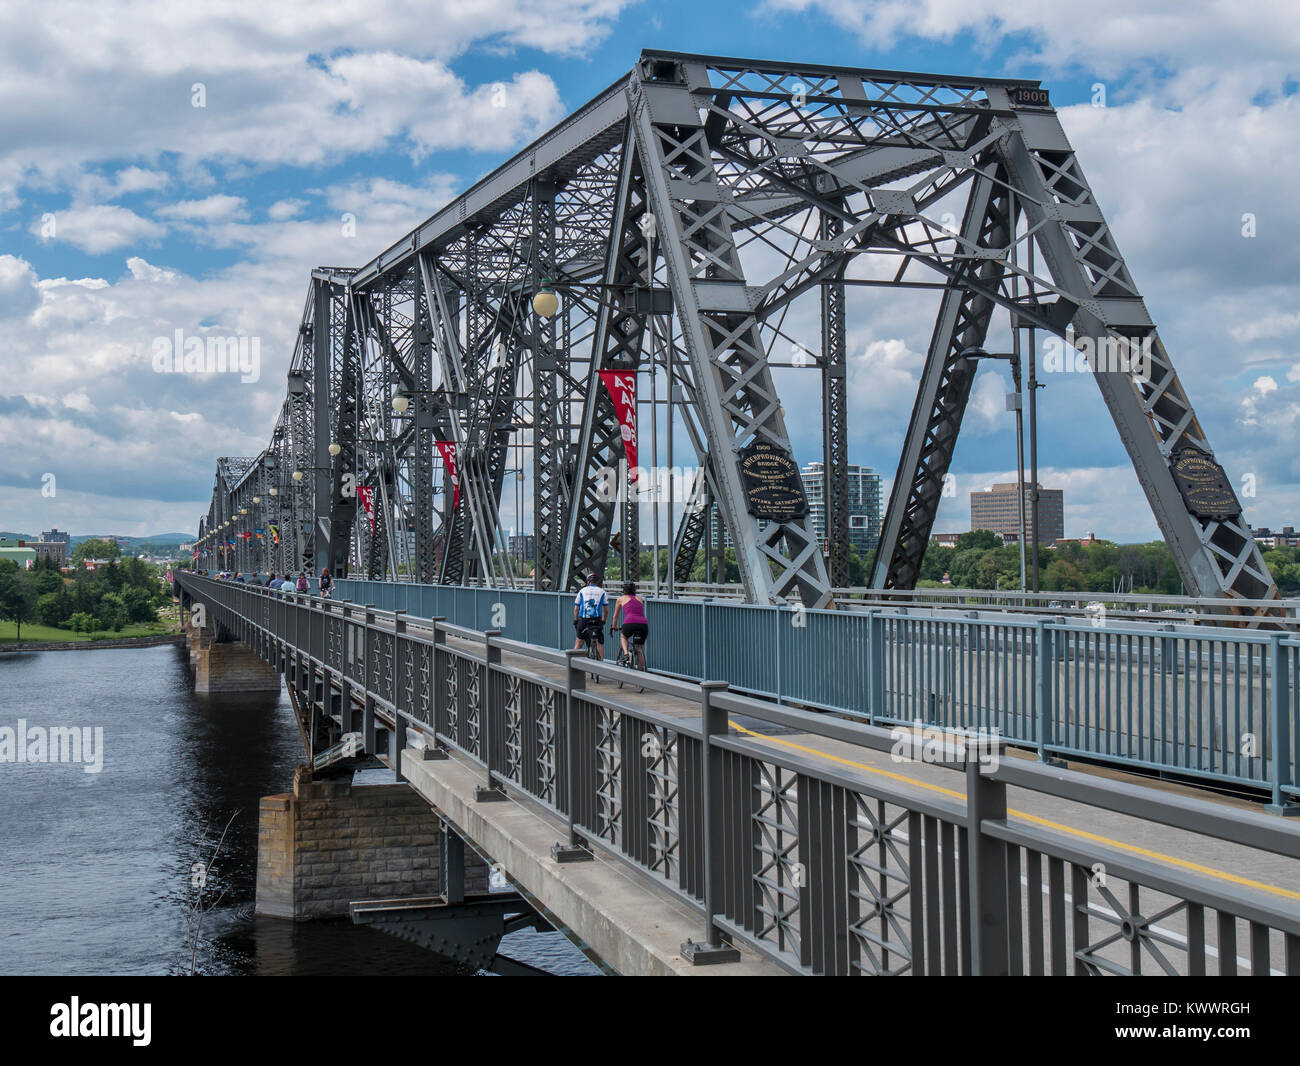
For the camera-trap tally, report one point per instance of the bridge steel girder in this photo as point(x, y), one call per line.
point(946, 381)
point(1154, 417)
point(768, 182)
point(550, 423)
point(616, 345)
point(835, 416)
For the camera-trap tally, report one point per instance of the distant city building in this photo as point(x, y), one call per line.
point(949, 540)
point(18, 553)
point(1086, 539)
point(1286, 537)
point(998, 510)
point(26, 552)
point(51, 549)
point(864, 505)
point(56, 536)
point(522, 547)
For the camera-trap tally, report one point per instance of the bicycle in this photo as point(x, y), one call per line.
point(630, 659)
point(589, 634)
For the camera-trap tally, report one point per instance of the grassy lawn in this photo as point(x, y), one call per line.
point(34, 633)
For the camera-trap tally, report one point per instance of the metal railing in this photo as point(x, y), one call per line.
point(1215, 704)
point(817, 866)
point(1145, 607)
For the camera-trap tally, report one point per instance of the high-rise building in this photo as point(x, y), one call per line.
point(864, 505)
point(56, 536)
point(522, 547)
point(997, 509)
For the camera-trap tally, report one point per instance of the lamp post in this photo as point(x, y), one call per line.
point(1014, 401)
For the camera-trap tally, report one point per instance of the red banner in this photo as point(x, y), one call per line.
point(366, 494)
point(621, 385)
point(448, 451)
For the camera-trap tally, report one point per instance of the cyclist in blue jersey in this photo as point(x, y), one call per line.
point(590, 606)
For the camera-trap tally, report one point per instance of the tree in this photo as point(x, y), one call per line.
point(46, 580)
point(49, 610)
point(979, 538)
point(139, 604)
point(17, 598)
point(858, 571)
point(113, 613)
point(81, 622)
point(95, 549)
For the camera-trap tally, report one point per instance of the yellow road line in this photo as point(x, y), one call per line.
point(1134, 849)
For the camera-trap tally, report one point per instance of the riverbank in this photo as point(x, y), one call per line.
point(91, 645)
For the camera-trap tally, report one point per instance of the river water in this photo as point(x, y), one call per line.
point(95, 868)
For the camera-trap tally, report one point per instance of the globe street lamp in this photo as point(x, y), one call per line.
point(546, 302)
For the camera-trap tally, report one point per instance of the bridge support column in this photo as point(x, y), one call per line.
point(229, 666)
point(329, 844)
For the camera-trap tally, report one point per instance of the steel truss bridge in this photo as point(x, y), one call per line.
point(694, 219)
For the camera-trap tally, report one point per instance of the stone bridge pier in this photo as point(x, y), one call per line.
point(221, 663)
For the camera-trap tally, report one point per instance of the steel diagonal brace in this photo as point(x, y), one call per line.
point(738, 397)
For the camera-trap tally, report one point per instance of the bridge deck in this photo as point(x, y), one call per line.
point(1223, 863)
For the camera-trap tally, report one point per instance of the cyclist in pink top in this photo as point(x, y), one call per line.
point(635, 627)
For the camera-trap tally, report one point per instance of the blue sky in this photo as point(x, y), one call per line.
point(127, 213)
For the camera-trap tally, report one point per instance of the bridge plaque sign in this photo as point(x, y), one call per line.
point(772, 485)
point(1204, 485)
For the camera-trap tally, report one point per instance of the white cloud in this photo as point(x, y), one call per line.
point(82, 395)
point(1109, 36)
point(285, 209)
point(143, 270)
point(101, 228)
point(1267, 326)
point(883, 376)
point(19, 295)
point(214, 208)
point(293, 83)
